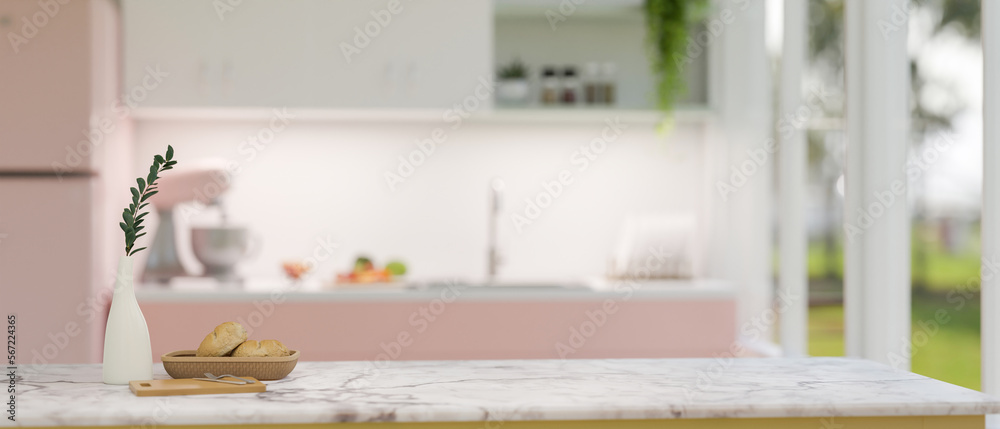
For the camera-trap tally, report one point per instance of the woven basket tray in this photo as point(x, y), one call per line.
point(184, 364)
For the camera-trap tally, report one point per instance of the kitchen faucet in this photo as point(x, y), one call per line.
point(493, 253)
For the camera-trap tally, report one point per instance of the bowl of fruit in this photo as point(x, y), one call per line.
point(365, 272)
point(295, 270)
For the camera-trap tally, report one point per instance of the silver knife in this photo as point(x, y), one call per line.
point(221, 381)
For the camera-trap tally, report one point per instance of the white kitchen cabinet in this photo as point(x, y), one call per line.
point(262, 53)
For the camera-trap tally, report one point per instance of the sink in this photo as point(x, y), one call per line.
point(474, 286)
point(505, 286)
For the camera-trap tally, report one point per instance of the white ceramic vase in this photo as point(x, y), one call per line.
point(127, 351)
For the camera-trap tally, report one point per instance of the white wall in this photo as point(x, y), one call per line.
point(320, 178)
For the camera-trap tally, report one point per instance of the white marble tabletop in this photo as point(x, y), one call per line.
point(437, 391)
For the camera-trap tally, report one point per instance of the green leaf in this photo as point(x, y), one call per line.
point(136, 251)
point(133, 220)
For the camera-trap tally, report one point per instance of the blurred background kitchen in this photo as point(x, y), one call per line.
point(361, 156)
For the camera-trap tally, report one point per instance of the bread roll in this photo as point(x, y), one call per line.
point(222, 340)
point(266, 348)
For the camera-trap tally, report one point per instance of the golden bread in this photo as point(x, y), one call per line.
point(223, 340)
point(265, 348)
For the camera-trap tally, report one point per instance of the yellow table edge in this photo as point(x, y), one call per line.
point(908, 422)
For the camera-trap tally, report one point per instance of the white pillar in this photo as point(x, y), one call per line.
point(746, 113)
point(991, 196)
point(853, 292)
point(876, 216)
point(719, 262)
point(792, 161)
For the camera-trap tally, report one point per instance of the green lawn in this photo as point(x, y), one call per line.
point(939, 270)
point(950, 352)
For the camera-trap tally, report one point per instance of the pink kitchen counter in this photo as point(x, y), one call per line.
point(650, 320)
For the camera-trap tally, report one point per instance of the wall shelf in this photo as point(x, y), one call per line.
point(583, 116)
point(535, 8)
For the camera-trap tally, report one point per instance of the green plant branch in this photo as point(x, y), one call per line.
point(133, 215)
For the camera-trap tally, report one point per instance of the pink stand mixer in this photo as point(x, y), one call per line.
point(218, 248)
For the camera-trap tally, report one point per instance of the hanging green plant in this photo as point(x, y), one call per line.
point(667, 36)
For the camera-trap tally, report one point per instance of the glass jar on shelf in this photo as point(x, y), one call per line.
point(610, 71)
point(550, 86)
point(570, 86)
point(593, 88)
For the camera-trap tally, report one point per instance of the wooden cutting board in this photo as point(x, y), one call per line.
point(190, 386)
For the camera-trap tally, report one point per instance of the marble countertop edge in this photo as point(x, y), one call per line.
point(512, 390)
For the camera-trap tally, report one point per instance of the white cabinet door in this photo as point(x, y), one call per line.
point(309, 53)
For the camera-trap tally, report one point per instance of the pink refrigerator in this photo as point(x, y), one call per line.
point(64, 166)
